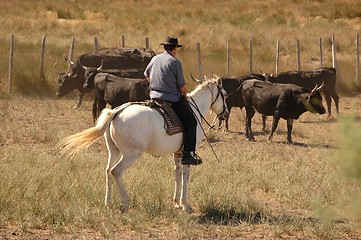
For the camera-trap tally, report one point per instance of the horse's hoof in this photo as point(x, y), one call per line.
point(123, 209)
point(188, 209)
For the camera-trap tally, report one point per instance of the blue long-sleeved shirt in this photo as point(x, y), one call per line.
point(166, 77)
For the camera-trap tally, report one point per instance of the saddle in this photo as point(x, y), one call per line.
point(172, 123)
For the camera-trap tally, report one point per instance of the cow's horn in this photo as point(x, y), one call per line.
point(66, 58)
point(70, 72)
point(101, 66)
point(83, 67)
point(314, 89)
point(55, 70)
point(317, 88)
point(320, 87)
point(195, 79)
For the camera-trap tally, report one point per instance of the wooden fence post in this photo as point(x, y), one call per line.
point(228, 57)
point(321, 55)
point(71, 50)
point(357, 59)
point(11, 60)
point(298, 55)
point(42, 54)
point(334, 60)
point(333, 43)
point(96, 44)
point(250, 57)
point(123, 41)
point(277, 55)
point(198, 46)
point(147, 45)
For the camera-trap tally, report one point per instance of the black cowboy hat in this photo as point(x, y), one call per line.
point(171, 41)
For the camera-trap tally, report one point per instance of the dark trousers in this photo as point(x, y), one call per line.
point(185, 114)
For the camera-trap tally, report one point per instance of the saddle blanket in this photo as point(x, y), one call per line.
point(172, 123)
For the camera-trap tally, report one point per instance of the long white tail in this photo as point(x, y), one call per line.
point(73, 144)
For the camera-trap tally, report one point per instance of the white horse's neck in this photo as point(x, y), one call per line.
point(201, 101)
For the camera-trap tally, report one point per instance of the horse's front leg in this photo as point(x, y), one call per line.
point(184, 196)
point(178, 178)
point(181, 174)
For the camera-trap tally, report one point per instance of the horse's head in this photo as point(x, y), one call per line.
point(218, 105)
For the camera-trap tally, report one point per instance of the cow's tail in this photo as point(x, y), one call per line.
point(73, 144)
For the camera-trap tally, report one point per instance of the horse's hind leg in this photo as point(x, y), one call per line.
point(113, 158)
point(117, 171)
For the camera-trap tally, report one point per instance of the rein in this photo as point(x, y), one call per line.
point(194, 104)
point(231, 93)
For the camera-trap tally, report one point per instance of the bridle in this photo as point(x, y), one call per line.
point(219, 93)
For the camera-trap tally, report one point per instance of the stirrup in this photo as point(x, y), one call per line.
point(188, 159)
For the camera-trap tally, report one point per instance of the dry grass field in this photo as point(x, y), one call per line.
point(257, 190)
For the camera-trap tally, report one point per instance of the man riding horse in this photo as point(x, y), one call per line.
point(165, 74)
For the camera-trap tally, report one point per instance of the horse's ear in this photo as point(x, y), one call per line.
point(195, 79)
point(219, 81)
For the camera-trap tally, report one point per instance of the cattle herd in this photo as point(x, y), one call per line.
point(115, 76)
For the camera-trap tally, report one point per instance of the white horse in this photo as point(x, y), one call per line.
point(132, 129)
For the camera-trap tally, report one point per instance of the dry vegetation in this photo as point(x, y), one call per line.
point(270, 190)
point(257, 190)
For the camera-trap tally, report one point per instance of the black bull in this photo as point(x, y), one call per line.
point(309, 79)
point(91, 72)
point(285, 101)
point(112, 58)
point(116, 90)
point(234, 95)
